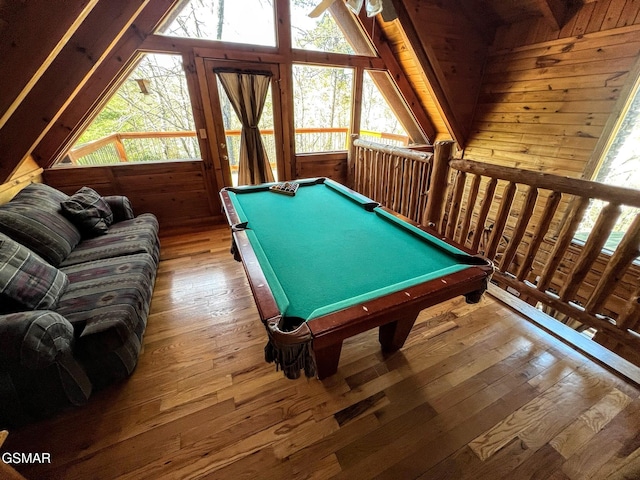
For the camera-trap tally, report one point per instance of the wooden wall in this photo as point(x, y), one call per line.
point(174, 191)
point(547, 95)
point(549, 100)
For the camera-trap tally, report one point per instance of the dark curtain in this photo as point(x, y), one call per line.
point(247, 93)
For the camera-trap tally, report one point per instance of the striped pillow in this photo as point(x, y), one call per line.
point(27, 279)
point(88, 211)
point(33, 219)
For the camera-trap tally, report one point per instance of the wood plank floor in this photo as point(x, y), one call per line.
point(477, 392)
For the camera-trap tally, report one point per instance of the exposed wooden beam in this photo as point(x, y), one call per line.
point(363, 43)
point(26, 46)
point(86, 104)
point(64, 78)
point(435, 79)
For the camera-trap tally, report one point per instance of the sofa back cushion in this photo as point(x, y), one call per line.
point(27, 279)
point(34, 219)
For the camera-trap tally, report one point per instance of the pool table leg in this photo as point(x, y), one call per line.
point(327, 359)
point(393, 335)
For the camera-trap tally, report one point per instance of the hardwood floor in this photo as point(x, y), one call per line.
point(477, 392)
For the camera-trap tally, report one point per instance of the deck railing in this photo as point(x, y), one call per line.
point(126, 147)
point(526, 222)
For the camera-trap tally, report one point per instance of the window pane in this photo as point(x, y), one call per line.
point(620, 167)
point(320, 34)
point(237, 21)
point(322, 107)
point(149, 118)
point(378, 122)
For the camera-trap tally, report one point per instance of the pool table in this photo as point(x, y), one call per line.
point(328, 263)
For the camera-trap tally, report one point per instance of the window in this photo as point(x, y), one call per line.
point(378, 122)
point(247, 21)
point(621, 167)
point(319, 34)
point(322, 108)
point(148, 119)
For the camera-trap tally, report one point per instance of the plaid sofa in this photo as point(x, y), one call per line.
point(76, 279)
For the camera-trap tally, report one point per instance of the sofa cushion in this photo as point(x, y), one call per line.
point(139, 235)
point(28, 279)
point(88, 212)
point(108, 300)
point(33, 218)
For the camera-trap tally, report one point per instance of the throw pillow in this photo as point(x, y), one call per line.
point(34, 219)
point(27, 279)
point(88, 211)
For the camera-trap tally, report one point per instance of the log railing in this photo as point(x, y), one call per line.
point(396, 177)
point(539, 227)
point(526, 222)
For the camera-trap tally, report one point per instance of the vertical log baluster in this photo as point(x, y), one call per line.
point(471, 204)
point(577, 208)
point(519, 231)
point(501, 219)
point(377, 185)
point(425, 178)
point(630, 317)
point(627, 251)
point(549, 211)
point(454, 208)
point(356, 170)
point(414, 192)
point(596, 240)
point(438, 184)
point(407, 187)
point(389, 178)
point(485, 205)
point(397, 183)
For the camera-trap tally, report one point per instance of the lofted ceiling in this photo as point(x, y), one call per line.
point(58, 58)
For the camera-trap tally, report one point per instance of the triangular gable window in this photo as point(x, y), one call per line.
point(148, 119)
point(378, 122)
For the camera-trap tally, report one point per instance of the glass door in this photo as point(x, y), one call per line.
point(236, 93)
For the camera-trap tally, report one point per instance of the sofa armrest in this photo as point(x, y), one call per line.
point(39, 374)
point(120, 206)
point(34, 339)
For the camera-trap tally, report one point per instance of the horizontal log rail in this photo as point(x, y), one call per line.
point(526, 222)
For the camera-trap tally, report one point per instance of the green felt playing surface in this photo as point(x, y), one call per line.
point(321, 251)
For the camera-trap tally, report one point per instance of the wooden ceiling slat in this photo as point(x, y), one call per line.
point(32, 50)
point(85, 51)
